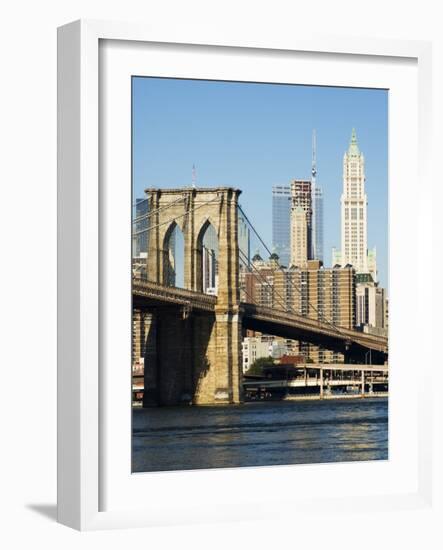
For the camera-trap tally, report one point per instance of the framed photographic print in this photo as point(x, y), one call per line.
point(235, 224)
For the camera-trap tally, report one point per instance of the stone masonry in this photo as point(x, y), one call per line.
point(196, 357)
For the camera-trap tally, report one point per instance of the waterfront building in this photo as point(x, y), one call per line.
point(354, 201)
point(281, 216)
point(253, 348)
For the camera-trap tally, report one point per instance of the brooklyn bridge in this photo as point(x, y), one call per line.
point(191, 339)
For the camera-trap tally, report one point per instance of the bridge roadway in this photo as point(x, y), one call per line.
point(262, 319)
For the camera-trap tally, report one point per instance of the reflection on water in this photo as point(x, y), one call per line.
point(259, 434)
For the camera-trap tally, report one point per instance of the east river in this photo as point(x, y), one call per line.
point(257, 434)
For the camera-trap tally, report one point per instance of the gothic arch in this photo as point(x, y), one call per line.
point(173, 256)
point(206, 258)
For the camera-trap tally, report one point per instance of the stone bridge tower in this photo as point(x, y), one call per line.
point(194, 357)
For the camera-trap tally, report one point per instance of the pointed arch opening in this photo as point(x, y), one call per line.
point(207, 259)
point(174, 257)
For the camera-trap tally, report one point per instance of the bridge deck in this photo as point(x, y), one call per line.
point(262, 319)
point(266, 320)
point(156, 293)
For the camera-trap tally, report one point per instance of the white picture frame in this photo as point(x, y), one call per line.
point(83, 440)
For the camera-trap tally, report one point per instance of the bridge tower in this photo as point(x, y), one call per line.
point(197, 356)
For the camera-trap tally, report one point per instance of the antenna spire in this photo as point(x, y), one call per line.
point(314, 155)
point(194, 176)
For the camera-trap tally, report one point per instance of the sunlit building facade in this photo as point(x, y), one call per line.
point(354, 202)
point(301, 223)
point(324, 294)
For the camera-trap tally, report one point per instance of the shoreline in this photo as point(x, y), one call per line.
point(375, 395)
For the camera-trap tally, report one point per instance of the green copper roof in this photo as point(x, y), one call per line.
point(353, 145)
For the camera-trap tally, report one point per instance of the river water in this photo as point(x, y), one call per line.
point(257, 434)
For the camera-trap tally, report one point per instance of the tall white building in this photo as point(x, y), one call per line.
point(354, 202)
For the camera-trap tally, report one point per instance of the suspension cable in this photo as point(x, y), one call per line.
point(264, 281)
point(135, 233)
point(321, 317)
point(159, 209)
point(249, 296)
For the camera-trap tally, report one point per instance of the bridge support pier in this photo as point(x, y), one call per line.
point(198, 357)
point(192, 358)
point(217, 367)
point(228, 359)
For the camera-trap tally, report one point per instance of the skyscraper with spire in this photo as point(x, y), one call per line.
point(317, 207)
point(354, 202)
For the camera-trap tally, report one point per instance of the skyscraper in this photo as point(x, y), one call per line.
point(244, 240)
point(140, 225)
point(299, 237)
point(317, 223)
point(301, 222)
point(210, 261)
point(210, 271)
point(281, 222)
point(354, 201)
point(317, 207)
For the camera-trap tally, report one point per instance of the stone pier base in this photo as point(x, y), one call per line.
point(192, 359)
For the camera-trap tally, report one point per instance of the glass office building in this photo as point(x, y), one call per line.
point(139, 227)
point(281, 222)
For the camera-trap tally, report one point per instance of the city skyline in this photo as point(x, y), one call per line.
point(217, 326)
point(234, 135)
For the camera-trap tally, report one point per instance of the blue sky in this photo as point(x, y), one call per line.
point(253, 136)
